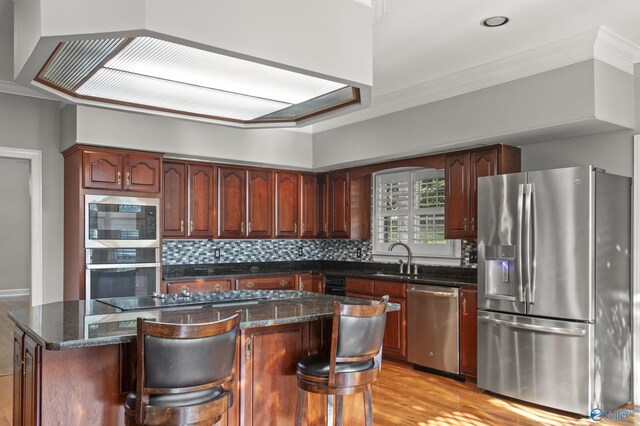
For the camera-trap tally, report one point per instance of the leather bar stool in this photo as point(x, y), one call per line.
point(351, 366)
point(184, 373)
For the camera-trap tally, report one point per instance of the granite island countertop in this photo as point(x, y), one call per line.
point(69, 325)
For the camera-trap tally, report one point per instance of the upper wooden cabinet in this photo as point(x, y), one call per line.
point(118, 171)
point(174, 201)
point(201, 189)
point(339, 205)
point(232, 202)
point(462, 170)
point(287, 203)
point(308, 206)
point(259, 204)
point(188, 205)
point(323, 205)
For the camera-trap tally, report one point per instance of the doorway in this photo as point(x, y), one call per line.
point(15, 249)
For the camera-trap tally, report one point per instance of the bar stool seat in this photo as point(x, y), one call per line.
point(320, 364)
point(351, 366)
point(176, 399)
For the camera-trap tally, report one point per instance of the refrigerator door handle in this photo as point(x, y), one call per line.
point(532, 253)
point(527, 230)
point(520, 282)
point(536, 328)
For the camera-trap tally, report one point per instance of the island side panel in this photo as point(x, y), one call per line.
point(82, 387)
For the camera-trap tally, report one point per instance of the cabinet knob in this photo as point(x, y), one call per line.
point(217, 287)
point(473, 223)
point(182, 226)
point(247, 348)
point(249, 227)
point(283, 283)
point(191, 226)
point(302, 228)
point(464, 223)
point(250, 284)
point(464, 306)
point(119, 178)
point(295, 228)
point(242, 227)
point(128, 179)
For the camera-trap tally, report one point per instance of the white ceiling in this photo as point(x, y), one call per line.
point(420, 40)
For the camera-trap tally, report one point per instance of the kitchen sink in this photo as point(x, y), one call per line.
point(395, 276)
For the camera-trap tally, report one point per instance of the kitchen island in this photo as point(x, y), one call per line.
point(74, 364)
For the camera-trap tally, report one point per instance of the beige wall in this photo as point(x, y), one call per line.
point(31, 123)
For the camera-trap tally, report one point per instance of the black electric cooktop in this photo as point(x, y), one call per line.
point(227, 298)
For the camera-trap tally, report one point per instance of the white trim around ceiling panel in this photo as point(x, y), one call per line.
point(35, 189)
point(14, 88)
point(599, 43)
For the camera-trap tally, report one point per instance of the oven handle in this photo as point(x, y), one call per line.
point(124, 265)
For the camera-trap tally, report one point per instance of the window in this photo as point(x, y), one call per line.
point(409, 208)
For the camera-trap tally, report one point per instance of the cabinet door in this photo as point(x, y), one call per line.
point(199, 286)
point(102, 170)
point(142, 173)
point(18, 356)
point(483, 163)
point(339, 205)
point(311, 282)
point(260, 204)
point(174, 200)
point(286, 184)
point(232, 202)
point(277, 282)
point(323, 206)
point(308, 206)
point(359, 285)
point(201, 201)
point(269, 388)
point(456, 199)
point(395, 331)
point(468, 331)
point(31, 383)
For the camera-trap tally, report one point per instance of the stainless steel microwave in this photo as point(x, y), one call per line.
point(121, 222)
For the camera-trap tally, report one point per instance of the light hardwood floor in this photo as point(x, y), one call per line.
point(404, 396)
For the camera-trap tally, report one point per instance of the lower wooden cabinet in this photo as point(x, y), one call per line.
point(395, 332)
point(311, 282)
point(276, 282)
point(26, 379)
point(468, 331)
point(199, 285)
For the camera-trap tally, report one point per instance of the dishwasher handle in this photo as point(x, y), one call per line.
point(433, 293)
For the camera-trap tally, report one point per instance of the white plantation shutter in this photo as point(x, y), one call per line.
point(409, 208)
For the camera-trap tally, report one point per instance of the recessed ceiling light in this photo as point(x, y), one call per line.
point(150, 73)
point(494, 21)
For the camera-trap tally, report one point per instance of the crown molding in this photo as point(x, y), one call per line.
point(598, 43)
point(14, 88)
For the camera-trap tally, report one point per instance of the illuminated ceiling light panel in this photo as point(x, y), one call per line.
point(155, 74)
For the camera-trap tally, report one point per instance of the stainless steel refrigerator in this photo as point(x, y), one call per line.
point(554, 284)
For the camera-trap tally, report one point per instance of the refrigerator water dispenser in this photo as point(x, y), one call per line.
point(500, 271)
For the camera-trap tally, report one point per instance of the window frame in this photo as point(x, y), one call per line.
point(449, 253)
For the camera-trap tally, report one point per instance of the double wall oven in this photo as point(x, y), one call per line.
point(122, 244)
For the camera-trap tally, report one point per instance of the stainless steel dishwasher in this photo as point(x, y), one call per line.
point(432, 327)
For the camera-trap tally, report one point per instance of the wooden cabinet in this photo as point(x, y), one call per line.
point(232, 192)
point(323, 205)
point(174, 202)
point(308, 206)
point(276, 282)
point(287, 204)
point(395, 332)
point(117, 171)
point(468, 331)
point(188, 205)
point(311, 282)
point(259, 204)
point(26, 380)
point(462, 170)
point(196, 286)
point(201, 189)
point(339, 205)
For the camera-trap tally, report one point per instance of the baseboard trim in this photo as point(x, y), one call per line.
point(14, 292)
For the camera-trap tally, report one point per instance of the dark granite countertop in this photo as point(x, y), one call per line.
point(66, 325)
point(428, 274)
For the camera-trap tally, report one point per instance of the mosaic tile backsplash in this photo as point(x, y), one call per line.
point(190, 252)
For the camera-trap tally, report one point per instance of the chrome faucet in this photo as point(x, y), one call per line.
point(409, 255)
